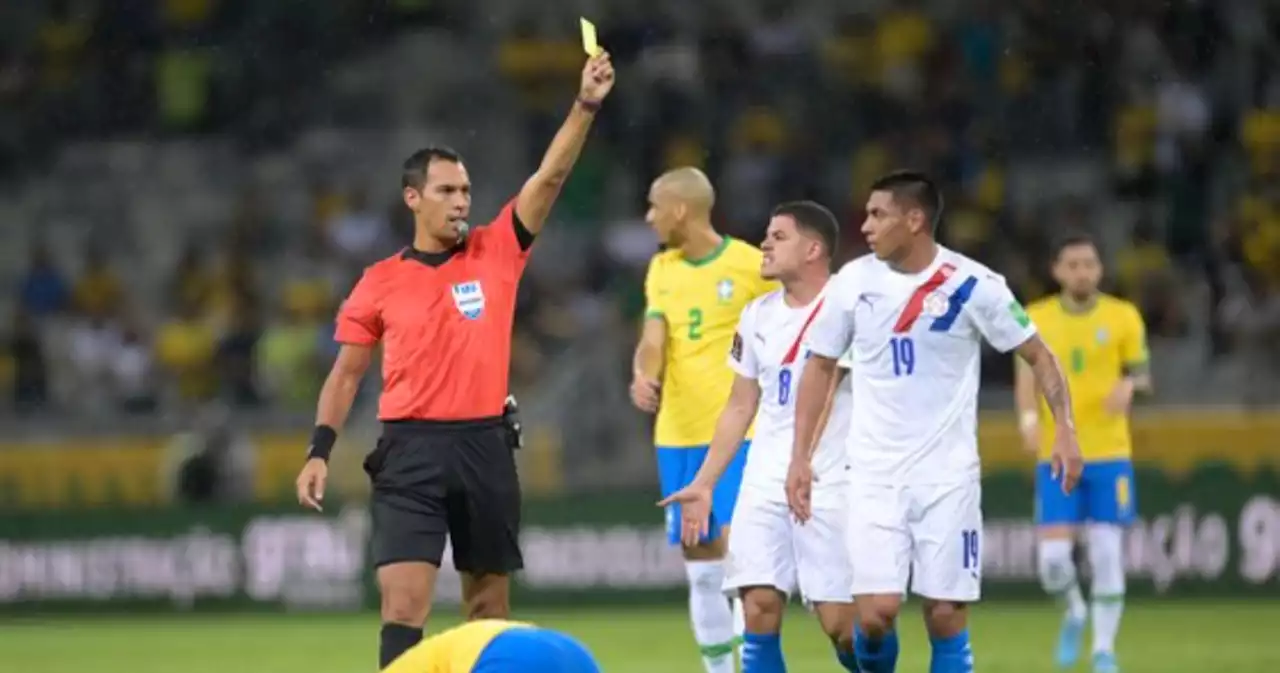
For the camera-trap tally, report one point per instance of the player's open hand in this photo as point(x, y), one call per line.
point(800, 489)
point(311, 484)
point(597, 78)
point(695, 512)
point(645, 393)
point(1066, 463)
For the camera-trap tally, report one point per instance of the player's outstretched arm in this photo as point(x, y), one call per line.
point(1052, 382)
point(540, 192)
point(731, 429)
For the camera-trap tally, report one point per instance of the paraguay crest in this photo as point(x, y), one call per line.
point(469, 298)
point(936, 304)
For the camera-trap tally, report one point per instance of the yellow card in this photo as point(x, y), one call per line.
point(589, 43)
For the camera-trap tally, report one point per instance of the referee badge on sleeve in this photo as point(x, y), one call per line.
point(736, 350)
point(469, 298)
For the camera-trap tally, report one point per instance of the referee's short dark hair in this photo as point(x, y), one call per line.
point(916, 190)
point(414, 172)
point(814, 218)
point(1071, 239)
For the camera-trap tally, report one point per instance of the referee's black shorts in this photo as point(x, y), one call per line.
point(437, 478)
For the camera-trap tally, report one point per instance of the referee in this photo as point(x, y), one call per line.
point(443, 311)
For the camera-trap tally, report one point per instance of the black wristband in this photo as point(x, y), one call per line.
point(592, 106)
point(322, 440)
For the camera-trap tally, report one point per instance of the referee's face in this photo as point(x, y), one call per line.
point(443, 203)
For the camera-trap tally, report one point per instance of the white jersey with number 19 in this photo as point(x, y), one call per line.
point(915, 494)
point(916, 347)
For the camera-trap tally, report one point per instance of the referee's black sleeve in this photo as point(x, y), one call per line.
point(523, 236)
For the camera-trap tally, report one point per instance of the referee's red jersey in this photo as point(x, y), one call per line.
point(444, 321)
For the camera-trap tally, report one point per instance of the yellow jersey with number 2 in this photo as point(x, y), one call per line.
point(1095, 349)
point(701, 301)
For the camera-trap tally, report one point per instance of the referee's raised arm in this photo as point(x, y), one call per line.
point(540, 191)
point(443, 310)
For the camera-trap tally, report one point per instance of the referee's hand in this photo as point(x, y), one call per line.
point(311, 483)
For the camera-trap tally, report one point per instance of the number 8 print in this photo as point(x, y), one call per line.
point(784, 386)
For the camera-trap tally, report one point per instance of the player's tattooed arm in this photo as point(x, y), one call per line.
point(731, 429)
point(1049, 378)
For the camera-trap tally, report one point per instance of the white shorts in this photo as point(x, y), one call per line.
point(767, 547)
point(928, 534)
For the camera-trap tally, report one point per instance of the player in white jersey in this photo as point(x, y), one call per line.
point(770, 554)
point(915, 314)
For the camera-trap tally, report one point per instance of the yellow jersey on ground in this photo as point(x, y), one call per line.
point(452, 651)
point(701, 301)
point(1095, 348)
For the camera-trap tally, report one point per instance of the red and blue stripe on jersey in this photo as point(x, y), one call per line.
point(955, 302)
point(795, 347)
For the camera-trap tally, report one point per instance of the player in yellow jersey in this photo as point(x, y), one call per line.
point(695, 292)
point(1101, 342)
point(496, 646)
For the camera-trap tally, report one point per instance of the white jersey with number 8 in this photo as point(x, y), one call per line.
point(768, 547)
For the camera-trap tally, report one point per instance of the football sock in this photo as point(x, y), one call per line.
point(395, 640)
point(848, 660)
point(739, 624)
point(711, 615)
point(762, 653)
point(1106, 558)
point(876, 656)
point(1059, 579)
point(952, 654)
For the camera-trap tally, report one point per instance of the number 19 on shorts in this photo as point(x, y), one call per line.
point(972, 555)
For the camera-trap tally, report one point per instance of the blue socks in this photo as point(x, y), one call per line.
point(877, 656)
point(848, 660)
point(762, 653)
point(952, 655)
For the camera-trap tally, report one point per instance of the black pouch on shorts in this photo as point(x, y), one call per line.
point(375, 459)
point(511, 422)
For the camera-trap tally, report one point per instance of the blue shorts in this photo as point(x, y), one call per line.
point(1105, 494)
point(535, 650)
point(678, 465)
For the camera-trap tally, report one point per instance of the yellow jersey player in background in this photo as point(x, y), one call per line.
point(695, 292)
point(496, 646)
point(1101, 342)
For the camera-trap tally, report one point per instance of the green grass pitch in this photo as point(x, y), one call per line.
point(1158, 637)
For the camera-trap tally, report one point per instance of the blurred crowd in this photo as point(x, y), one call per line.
point(1154, 124)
